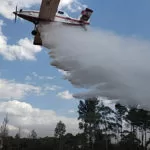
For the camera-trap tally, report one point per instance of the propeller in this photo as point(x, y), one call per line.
point(15, 14)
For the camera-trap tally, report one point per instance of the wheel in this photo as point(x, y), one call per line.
point(34, 32)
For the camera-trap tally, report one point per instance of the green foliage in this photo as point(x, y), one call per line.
point(4, 127)
point(130, 141)
point(60, 129)
point(103, 128)
point(90, 118)
point(33, 134)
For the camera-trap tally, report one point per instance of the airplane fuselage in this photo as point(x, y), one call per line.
point(33, 16)
point(49, 13)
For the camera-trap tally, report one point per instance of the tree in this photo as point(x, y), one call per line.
point(33, 134)
point(60, 129)
point(139, 120)
point(4, 132)
point(130, 142)
point(120, 116)
point(80, 140)
point(70, 142)
point(59, 132)
point(107, 122)
point(90, 117)
point(4, 127)
point(18, 135)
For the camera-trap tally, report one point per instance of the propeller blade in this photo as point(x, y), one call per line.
point(15, 14)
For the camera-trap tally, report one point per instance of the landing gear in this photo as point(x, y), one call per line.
point(34, 32)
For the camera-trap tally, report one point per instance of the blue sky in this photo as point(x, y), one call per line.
point(125, 18)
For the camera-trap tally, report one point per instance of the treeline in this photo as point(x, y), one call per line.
point(102, 128)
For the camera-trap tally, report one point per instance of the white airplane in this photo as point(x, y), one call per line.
point(48, 13)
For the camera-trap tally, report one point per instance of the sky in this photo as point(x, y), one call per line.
point(35, 94)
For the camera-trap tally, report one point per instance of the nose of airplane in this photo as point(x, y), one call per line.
point(15, 13)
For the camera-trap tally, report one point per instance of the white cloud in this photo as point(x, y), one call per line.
point(65, 73)
point(21, 114)
point(51, 87)
point(23, 50)
point(71, 111)
point(34, 74)
point(34, 78)
point(11, 89)
point(65, 95)
point(45, 89)
point(72, 5)
point(8, 6)
point(28, 78)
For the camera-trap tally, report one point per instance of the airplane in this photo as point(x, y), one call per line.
point(49, 13)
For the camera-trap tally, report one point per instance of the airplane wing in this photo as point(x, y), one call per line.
point(48, 9)
point(47, 13)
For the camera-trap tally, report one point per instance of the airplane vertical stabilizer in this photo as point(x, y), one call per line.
point(86, 14)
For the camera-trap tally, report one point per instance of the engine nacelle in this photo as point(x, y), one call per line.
point(86, 14)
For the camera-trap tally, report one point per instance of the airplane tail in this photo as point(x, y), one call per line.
point(86, 14)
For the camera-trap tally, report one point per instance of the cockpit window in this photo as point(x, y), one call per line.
point(61, 12)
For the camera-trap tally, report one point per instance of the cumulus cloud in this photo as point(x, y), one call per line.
point(8, 6)
point(11, 89)
point(72, 5)
point(22, 114)
point(65, 95)
point(23, 50)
